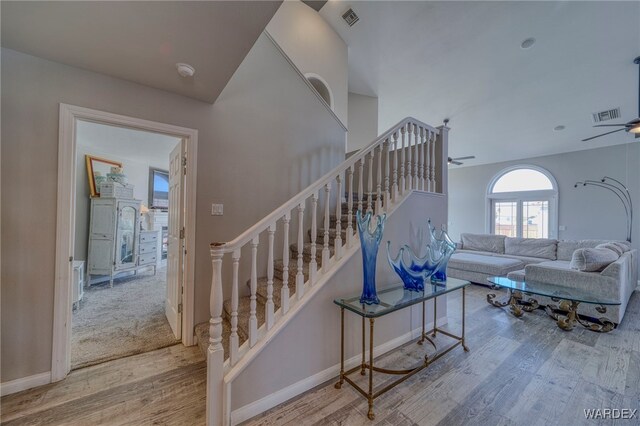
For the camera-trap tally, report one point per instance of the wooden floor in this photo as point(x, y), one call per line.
point(522, 371)
point(163, 387)
point(519, 371)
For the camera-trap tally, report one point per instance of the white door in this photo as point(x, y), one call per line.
point(175, 249)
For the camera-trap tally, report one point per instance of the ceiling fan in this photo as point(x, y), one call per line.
point(456, 160)
point(632, 126)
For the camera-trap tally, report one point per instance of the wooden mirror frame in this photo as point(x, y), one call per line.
point(89, 159)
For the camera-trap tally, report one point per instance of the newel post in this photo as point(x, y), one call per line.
point(215, 352)
point(440, 162)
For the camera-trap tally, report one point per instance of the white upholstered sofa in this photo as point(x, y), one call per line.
point(480, 256)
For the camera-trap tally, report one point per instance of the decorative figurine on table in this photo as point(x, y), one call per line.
point(369, 242)
point(432, 266)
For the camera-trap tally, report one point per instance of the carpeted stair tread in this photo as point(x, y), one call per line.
point(244, 310)
point(332, 235)
point(306, 253)
point(278, 270)
point(277, 288)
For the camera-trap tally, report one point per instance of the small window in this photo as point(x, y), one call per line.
point(522, 202)
point(321, 87)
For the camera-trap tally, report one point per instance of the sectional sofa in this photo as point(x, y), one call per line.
point(480, 256)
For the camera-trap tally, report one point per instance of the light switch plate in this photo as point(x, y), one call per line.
point(217, 209)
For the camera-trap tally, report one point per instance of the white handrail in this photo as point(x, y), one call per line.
point(262, 225)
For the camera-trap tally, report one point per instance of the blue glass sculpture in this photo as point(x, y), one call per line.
point(369, 242)
point(432, 266)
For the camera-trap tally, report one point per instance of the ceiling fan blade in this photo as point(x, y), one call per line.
point(609, 125)
point(608, 133)
point(457, 163)
point(470, 157)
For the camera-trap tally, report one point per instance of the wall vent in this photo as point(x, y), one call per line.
point(350, 17)
point(610, 114)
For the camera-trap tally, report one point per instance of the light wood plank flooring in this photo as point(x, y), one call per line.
point(519, 372)
point(165, 387)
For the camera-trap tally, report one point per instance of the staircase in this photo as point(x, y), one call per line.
point(411, 156)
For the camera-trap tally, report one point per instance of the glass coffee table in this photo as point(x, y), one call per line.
point(568, 299)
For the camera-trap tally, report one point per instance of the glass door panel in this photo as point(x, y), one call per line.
point(126, 235)
point(535, 219)
point(505, 214)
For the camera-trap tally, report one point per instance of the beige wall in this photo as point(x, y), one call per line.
point(314, 47)
point(310, 343)
point(363, 121)
point(256, 144)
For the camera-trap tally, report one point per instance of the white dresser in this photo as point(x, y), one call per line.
point(116, 243)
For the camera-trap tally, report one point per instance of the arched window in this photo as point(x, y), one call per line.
point(522, 201)
point(321, 87)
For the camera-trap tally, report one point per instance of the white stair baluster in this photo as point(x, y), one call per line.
point(395, 167)
point(432, 169)
point(284, 293)
point(387, 189)
point(270, 307)
point(338, 240)
point(234, 340)
point(253, 319)
point(427, 156)
point(370, 182)
point(350, 207)
point(313, 265)
point(325, 247)
point(416, 158)
point(421, 165)
point(300, 274)
point(215, 352)
point(409, 168)
point(361, 186)
point(402, 161)
point(379, 181)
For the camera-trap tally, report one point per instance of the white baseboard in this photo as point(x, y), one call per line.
point(260, 406)
point(25, 383)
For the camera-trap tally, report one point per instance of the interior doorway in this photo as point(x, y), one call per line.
point(126, 219)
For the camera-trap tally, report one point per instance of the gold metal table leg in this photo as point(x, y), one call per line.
point(363, 364)
point(422, 335)
point(339, 384)
point(370, 395)
point(466, 349)
point(435, 310)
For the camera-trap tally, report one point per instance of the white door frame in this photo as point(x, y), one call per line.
point(65, 223)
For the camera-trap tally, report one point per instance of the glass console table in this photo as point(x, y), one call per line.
point(391, 300)
point(568, 299)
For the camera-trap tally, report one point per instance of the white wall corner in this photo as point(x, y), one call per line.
point(24, 383)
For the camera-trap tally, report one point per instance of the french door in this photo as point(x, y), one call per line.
point(527, 218)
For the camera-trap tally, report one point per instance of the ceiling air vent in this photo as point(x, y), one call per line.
point(350, 17)
point(610, 114)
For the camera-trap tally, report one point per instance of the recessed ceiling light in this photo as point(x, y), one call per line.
point(558, 128)
point(527, 43)
point(185, 70)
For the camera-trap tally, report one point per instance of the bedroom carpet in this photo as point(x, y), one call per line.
point(125, 320)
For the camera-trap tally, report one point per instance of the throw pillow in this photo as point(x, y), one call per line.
point(625, 247)
point(592, 259)
point(612, 247)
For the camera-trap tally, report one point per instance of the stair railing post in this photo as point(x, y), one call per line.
point(379, 180)
point(421, 162)
point(403, 131)
point(409, 161)
point(387, 189)
point(284, 293)
point(338, 239)
point(361, 185)
point(270, 307)
point(416, 158)
point(300, 274)
point(253, 319)
point(234, 341)
point(215, 352)
point(432, 169)
point(313, 265)
point(395, 167)
point(370, 182)
point(441, 172)
point(350, 206)
point(326, 254)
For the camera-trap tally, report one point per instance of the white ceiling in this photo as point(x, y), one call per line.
point(463, 60)
point(120, 142)
point(142, 41)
